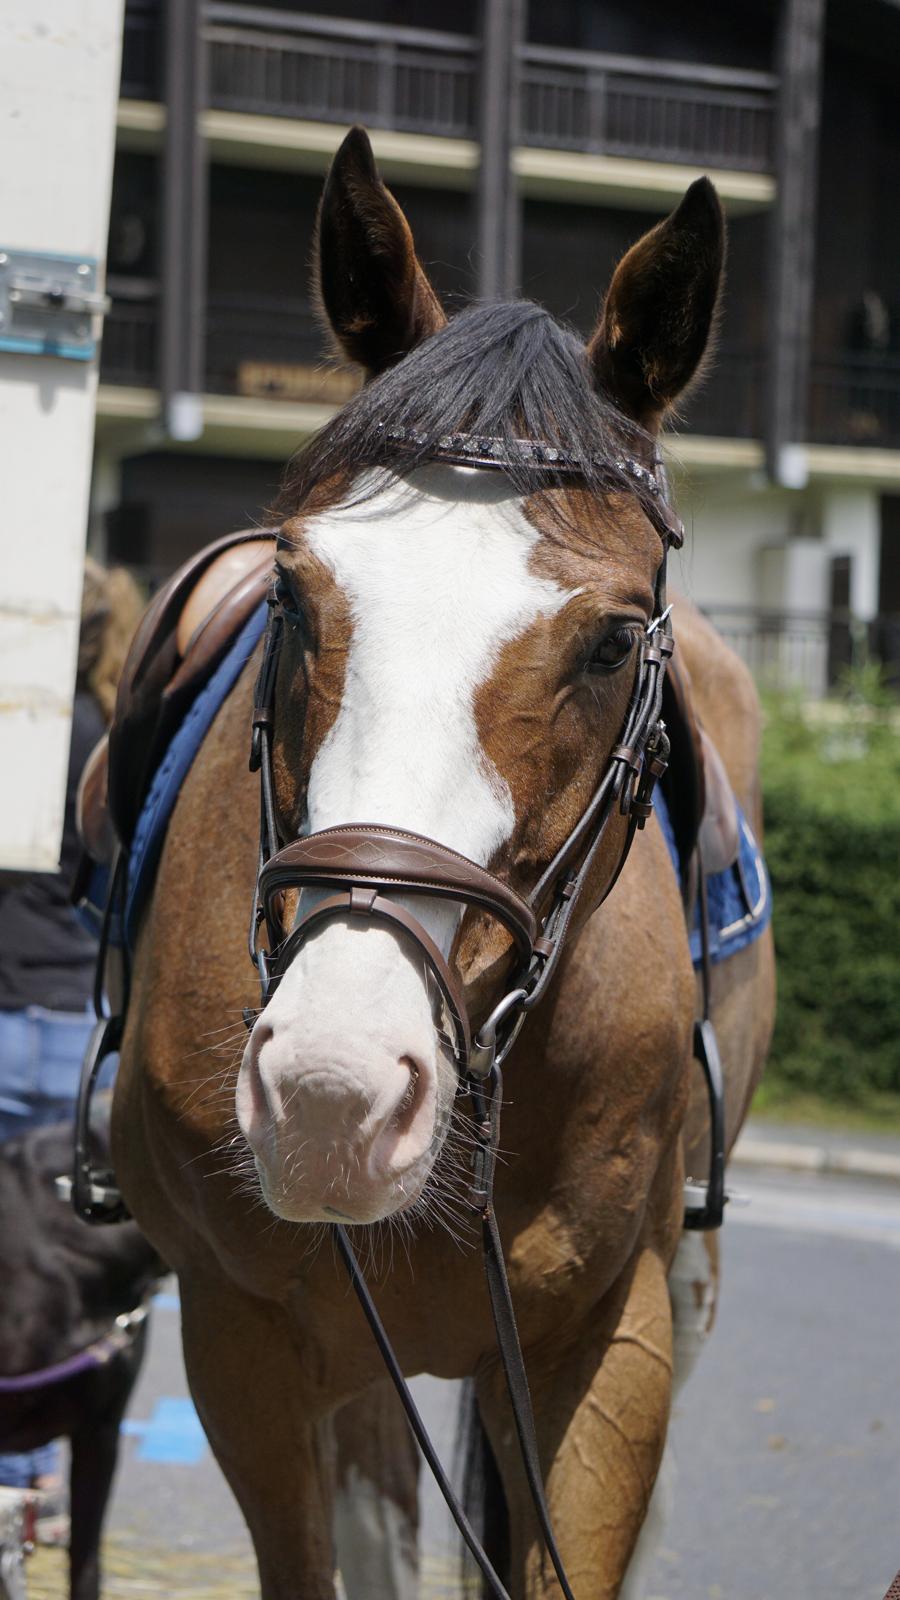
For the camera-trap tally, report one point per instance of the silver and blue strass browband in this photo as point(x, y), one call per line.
point(483, 450)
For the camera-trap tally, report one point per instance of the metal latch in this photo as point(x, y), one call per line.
point(49, 304)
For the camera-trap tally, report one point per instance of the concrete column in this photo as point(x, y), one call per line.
point(499, 203)
point(793, 237)
point(184, 232)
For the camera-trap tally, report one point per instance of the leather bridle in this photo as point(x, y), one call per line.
point(365, 867)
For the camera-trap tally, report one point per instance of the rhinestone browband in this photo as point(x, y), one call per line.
point(483, 450)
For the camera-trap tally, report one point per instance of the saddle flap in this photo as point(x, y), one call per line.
point(157, 684)
point(699, 796)
point(719, 840)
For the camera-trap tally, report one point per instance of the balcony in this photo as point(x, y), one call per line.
point(269, 348)
point(142, 51)
point(854, 398)
point(417, 81)
point(260, 348)
point(128, 354)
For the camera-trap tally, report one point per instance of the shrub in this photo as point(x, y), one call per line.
point(831, 785)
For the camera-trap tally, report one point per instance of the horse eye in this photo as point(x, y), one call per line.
point(286, 600)
point(612, 651)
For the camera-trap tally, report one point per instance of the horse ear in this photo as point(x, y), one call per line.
point(373, 290)
point(661, 307)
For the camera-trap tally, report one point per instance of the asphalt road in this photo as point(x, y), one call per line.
point(787, 1437)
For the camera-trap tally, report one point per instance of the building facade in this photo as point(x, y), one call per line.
point(529, 145)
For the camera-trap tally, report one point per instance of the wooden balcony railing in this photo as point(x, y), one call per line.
point(417, 80)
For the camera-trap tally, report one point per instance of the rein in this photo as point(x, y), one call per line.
point(95, 1355)
point(364, 866)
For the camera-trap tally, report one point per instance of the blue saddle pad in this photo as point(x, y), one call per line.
point(739, 899)
point(153, 821)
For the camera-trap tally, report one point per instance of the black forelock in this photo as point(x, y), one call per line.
point(508, 371)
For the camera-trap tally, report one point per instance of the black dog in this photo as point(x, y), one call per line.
point(63, 1283)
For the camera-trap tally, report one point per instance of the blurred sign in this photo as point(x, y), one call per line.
point(59, 84)
point(287, 380)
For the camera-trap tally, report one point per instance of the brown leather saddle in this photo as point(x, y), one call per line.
point(164, 672)
point(162, 675)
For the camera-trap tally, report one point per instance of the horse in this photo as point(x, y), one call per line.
point(72, 1332)
point(458, 650)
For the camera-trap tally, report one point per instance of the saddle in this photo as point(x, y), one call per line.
point(184, 634)
point(188, 629)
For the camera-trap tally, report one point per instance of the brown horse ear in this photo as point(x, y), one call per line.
point(372, 288)
point(661, 307)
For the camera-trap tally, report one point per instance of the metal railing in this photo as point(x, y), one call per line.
point(142, 51)
point(807, 651)
point(729, 402)
point(280, 63)
point(128, 353)
point(854, 398)
point(649, 110)
point(418, 80)
point(250, 337)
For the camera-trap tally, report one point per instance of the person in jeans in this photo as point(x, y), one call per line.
point(46, 956)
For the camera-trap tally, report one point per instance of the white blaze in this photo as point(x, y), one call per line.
point(436, 576)
point(345, 1091)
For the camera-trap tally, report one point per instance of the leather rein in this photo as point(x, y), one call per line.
point(364, 868)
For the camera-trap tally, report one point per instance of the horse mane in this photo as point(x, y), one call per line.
point(507, 370)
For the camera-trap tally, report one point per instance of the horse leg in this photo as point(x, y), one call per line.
point(693, 1288)
point(601, 1398)
point(246, 1377)
point(95, 1453)
point(376, 1512)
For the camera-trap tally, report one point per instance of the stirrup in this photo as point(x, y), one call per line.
point(93, 1191)
point(704, 1204)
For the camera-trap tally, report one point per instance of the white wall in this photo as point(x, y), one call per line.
point(750, 545)
point(728, 522)
point(59, 74)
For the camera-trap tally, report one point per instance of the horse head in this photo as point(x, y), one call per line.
point(458, 652)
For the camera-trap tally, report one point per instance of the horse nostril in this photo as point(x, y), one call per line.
point(261, 1036)
point(405, 1111)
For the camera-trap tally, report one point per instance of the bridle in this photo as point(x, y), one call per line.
point(365, 867)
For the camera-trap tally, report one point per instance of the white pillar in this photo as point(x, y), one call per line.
point(851, 526)
point(59, 79)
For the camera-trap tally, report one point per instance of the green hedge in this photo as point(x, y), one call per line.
point(832, 810)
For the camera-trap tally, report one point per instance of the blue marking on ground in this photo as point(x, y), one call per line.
point(166, 1302)
point(172, 1434)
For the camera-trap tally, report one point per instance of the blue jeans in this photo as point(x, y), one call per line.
point(40, 1064)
